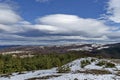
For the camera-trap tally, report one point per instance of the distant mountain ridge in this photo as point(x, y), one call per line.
point(8, 46)
point(113, 51)
point(106, 50)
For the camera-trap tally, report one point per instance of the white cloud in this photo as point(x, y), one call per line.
point(7, 15)
point(113, 11)
point(10, 21)
point(45, 27)
point(61, 27)
point(63, 23)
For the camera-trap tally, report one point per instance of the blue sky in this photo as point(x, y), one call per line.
point(44, 22)
point(85, 8)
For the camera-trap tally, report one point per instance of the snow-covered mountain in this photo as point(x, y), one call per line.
point(107, 50)
point(55, 48)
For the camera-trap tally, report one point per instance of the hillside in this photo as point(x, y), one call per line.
point(63, 62)
point(113, 51)
point(74, 70)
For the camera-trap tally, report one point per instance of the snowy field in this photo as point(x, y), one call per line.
point(76, 73)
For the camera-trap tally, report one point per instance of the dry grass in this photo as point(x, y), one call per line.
point(95, 72)
point(118, 73)
point(115, 61)
point(44, 77)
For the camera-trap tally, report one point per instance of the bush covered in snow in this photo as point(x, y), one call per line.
point(100, 63)
point(106, 64)
point(63, 69)
point(84, 63)
point(92, 60)
point(110, 65)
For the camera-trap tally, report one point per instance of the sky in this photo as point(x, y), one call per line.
point(48, 22)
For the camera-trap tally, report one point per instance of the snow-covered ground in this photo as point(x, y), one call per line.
point(90, 48)
point(31, 74)
point(85, 48)
point(80, 76)
point(74, 74)
point(15, 52)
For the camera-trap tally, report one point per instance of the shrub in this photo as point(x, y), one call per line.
point(118, 73)
point(101, 63)
point(75, 79)
point(95, 72)
point(92, 60)
point(84, 63)
point(106, 64)
point(63, 69)
point(110, 65)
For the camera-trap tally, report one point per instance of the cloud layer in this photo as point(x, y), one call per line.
point(57, 28)
point(113, 11)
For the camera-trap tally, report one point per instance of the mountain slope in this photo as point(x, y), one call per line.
point(113, 51)
point(89, 72)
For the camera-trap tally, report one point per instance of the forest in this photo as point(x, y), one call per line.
point(10, 64)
